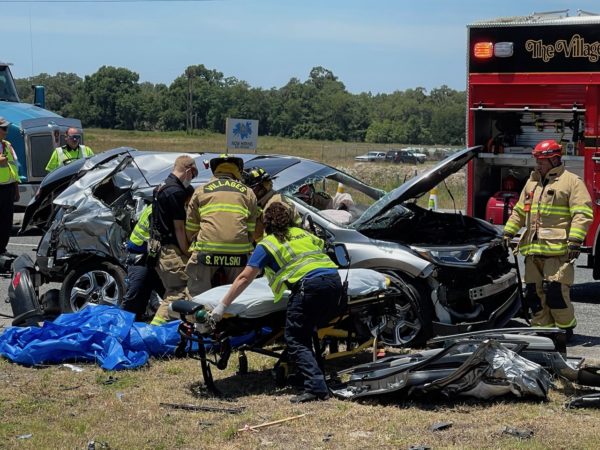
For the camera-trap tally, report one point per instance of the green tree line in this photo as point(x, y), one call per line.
point(201, 99)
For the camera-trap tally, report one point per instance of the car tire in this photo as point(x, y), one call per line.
point(413, 323)
point(94, 282)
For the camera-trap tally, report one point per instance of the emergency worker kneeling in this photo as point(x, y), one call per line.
point(220, 223)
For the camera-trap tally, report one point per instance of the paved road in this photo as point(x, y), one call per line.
point(585, 294)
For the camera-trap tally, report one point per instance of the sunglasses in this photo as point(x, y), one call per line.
point(194, 171)
point(4, 128)
point(75, 137)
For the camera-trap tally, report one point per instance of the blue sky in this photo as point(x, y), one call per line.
point(376, 46)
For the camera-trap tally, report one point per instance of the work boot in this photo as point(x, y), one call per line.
point(309, 397)
point(568, 334)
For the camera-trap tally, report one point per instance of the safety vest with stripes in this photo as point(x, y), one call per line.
point(299, 255)
point(10, 173)
point(222, 217)
point(554, 212)
point(141, 232)
point(82, 151)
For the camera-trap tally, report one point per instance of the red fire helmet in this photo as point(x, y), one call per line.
point(547, 149)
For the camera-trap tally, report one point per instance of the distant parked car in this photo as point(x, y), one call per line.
point(391, 155)
point(371, 156)
point(410, 155)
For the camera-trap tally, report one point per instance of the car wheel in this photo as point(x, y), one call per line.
point(100, 283)
point(408, 320)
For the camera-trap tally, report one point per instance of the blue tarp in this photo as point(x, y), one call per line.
point(102, 334)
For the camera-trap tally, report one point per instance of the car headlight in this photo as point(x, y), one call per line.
point(447, 256)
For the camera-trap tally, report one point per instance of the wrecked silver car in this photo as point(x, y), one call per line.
point(456, 269)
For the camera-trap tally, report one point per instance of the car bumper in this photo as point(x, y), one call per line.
point(496, 319)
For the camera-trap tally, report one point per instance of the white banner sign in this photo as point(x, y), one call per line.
point(242, 134)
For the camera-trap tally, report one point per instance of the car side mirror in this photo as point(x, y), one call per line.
point(341, 256)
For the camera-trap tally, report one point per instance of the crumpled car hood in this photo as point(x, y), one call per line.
point(419, 185)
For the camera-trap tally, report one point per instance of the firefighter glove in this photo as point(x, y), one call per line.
point(217, 313)
point(574, 249)
point(507, 240)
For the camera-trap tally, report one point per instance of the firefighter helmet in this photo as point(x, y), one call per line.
point(255, 176)
point(223, 158)
point(547, 149)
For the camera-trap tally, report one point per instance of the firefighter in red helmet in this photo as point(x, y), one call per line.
point(556, 210)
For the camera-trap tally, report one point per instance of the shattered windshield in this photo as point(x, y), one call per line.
point(335, 195)
point(8, 91)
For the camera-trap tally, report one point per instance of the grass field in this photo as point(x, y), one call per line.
point(56, 408)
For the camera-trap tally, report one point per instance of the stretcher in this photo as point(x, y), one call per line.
point(255, 323)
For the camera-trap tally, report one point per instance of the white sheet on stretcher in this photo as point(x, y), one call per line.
point(258, 301)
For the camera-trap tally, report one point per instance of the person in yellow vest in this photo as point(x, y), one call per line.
point(72, 150)
point(220, 221)
point(294, 259)
point(142, 278)
point(9, 185)
point(556, 210)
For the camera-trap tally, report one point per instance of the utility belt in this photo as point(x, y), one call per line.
point(221, 260)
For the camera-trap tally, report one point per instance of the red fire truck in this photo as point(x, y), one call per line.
point(533, 78)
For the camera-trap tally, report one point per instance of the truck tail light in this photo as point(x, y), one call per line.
point(483, 50)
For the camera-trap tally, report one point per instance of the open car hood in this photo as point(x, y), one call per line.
point(419, 185)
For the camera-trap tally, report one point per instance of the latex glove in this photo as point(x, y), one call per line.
point(574, 249)
point(217, 313)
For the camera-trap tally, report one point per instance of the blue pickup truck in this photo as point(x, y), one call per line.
point(34, 132)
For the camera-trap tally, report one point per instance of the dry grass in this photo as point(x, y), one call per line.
point(64, 409)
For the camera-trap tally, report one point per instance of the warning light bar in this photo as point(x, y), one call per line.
point(485, 50)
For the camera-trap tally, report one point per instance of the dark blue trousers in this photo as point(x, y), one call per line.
point(312, 304)
point(141, 281)
point(7, 202)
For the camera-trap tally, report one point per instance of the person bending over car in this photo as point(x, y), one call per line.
point(294, 259)
point(221, 219)
point(259, 180)
point(142, 278)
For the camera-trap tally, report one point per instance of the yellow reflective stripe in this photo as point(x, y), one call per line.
point(274, 251)
point(578, 233)
point(158, 321)
point(190, 226)
point(295, 266)
point(221, 247)
point(224, 207)
point(544, 249)
point(571, 324)
point(551, 210)
point(511, 227)
point(140, 236)
point(251, 226)
point(582, 209)
point(519, 209)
